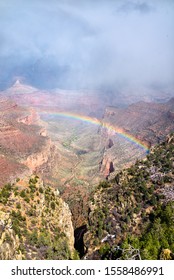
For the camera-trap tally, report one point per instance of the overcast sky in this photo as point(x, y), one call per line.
point(87, 43)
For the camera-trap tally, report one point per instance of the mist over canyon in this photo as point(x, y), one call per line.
point(112, 45)
point(86, 92)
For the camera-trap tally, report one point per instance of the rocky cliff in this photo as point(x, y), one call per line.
point(146, 122)
point(131, 216)
point(37, 159)
point(9, 241)
point(35, 223)
point(24, 144)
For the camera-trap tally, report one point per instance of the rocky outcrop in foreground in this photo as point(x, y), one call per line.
point(131, 216)
point(35, 223)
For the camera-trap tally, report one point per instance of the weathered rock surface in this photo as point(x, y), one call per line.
point(148, 123)
point(35, 223)
point(24, 144)
point(9, 241)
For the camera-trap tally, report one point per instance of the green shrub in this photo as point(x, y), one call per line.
point(41, 190)
point(22, 194)
point(18, 205)
point(52, 204)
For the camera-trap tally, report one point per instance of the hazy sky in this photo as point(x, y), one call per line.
point(87, 43)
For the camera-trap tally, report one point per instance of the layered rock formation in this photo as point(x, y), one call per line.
point(24, 144)
point(146, 122)
point(30, 207)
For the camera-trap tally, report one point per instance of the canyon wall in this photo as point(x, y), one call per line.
point(24, 144)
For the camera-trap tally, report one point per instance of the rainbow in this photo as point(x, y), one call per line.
point(106, 125)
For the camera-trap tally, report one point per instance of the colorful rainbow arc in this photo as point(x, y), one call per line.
point(95, 121)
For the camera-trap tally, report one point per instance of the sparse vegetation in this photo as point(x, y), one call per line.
point(5, 193)
point(131, 216)
point(35, 223)
point(136, 208)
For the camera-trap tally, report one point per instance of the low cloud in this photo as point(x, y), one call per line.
point(142, 7)
point(87, 44)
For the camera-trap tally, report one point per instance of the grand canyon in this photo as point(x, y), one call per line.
point(67, 152)
point(86, 151)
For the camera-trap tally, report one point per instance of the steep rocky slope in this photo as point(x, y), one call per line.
point(132, 215)
point(35, 223)
point(147, 122)
point(24, 145)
